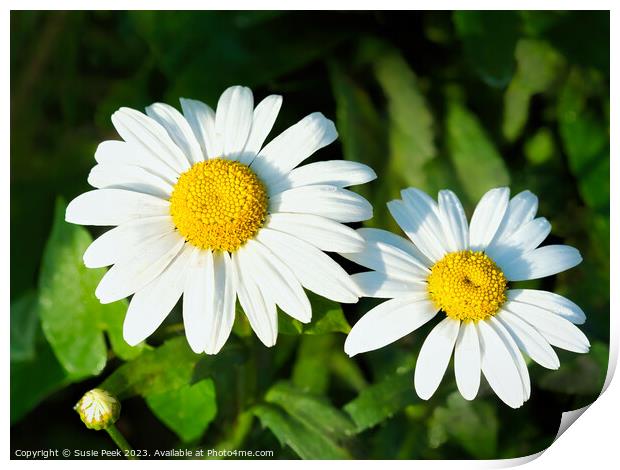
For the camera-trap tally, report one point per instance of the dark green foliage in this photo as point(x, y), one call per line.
point(462, 100)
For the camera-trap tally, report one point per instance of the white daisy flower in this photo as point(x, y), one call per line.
point(202, 209)
point(464, 272)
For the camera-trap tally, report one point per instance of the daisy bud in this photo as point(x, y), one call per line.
point(98, 409)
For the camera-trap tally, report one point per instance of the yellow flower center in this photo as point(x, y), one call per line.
point(467, 285)
point(218, 204)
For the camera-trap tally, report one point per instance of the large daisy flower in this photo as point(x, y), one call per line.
point(464, 273)
point(202, 209)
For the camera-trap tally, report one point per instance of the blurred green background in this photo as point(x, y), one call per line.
point(463, 100)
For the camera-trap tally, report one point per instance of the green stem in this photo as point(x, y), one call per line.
point(121, 442)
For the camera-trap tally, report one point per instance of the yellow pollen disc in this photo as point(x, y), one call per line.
point(467, 285)
point(218, 204)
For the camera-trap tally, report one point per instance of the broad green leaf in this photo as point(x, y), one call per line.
point(307, 442)
point(311, 426)
point(70, 313)
point(159, 370)
point(489, 39)
point(24, 327)
point(411, 134)
point(187, 410)
point(313, 411)
point(471, 424)
point(72, 318)
point(381, 400)
point(539, 67)
point(478, 164)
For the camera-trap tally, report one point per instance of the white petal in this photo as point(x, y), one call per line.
point(152, 304)
point(293, 146)
point(314, 269)
point(487, 218)
point(530, 341)
point(264, 117)
point(201, 119)
point(434, 357)
point(117, 153)
point(542, 262)
point(390, 260)
point(130, 177)
point(142, 131)
point(516, 354)
point(327, 201)
point(339, 173)
point(388, 322)
point(549, 301)
point(373, 235)
point(233, 119)
point(453, 220)
point(122, 242)
point(132, 274)
point(261, 312)
point(178, 129)
point(467, 360)
point(199, 301)
point(380, 285)
point(415, 224)
point(325, 234)
point(223, 316)
point(521, 209)
point(277, 281)
point(499, 367)
point(555, 329)
point(523, 240)
point(114, 207)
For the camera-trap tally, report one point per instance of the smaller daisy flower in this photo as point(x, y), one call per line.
point(465, 272)
point(203, 210)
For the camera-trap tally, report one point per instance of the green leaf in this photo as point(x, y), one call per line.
point(72, 318)
point(312, 410)
point(306, 442)
point(381, 401)
point(187, 410)
point(411, 134)
point(538, 69)
point(24, 326)
point(489, 39)
point(69, 311)
point(478, 164)
point(312, 427)
point(471, 424)
point(159, 370)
